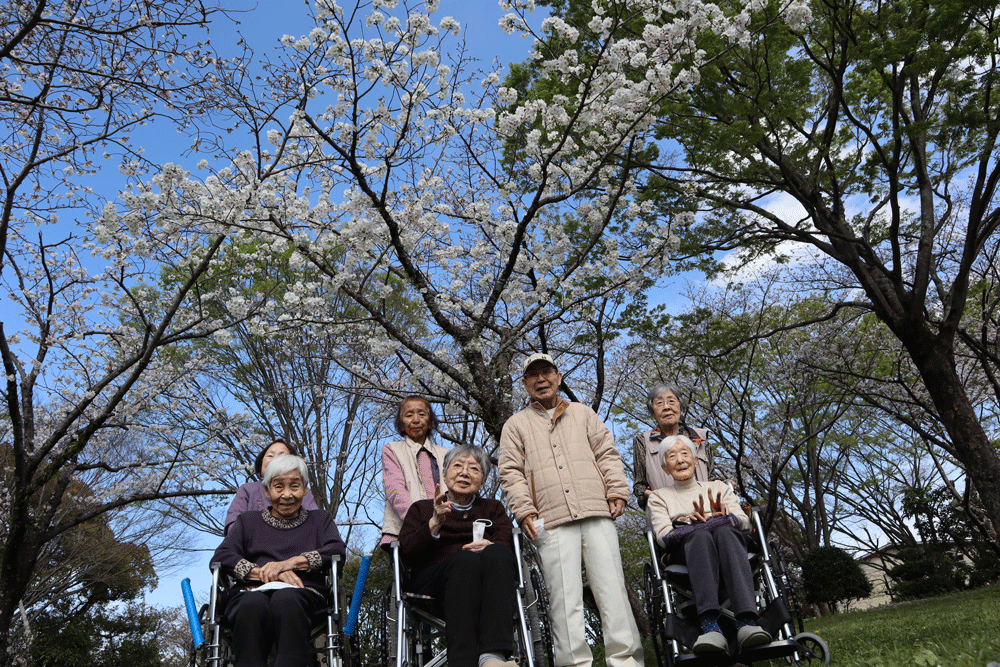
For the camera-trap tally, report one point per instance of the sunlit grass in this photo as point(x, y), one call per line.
point(958, 630)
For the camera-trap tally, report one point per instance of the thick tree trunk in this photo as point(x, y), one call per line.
point(18, 558)
point(934, 358)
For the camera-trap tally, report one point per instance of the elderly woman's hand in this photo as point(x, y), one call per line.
point(441, 507)
point(272, 571)
point(290, 577)
point(716, 508)
point(476, 546)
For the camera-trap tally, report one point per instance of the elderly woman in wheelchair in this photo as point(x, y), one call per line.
point(278, 557)
point(460, 549)
point(701, 524)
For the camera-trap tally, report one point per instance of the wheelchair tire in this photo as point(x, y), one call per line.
point(383, 627)
point(538, 621)
point(655, 613)
point(812, 649)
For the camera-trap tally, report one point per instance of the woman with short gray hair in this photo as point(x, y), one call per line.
point(459, 547)
point(289, 547)
point(666, 405)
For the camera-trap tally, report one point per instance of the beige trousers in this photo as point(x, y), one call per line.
point(594, 543)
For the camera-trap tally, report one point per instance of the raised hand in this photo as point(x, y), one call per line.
point(699, 515)
point(718, 507)
point(441, 507)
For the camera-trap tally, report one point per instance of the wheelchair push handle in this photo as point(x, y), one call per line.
point(197, 637)
point(359, 589)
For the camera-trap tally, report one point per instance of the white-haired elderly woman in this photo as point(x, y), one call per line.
point(473, 578)
point(701, 524)
point(287, 547)
point(667, 407)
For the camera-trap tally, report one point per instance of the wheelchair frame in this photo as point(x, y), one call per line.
point(672, 632)
point(217, 650)
point(418, 629)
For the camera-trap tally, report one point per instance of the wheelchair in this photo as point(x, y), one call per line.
point(419, 626)
point(670, 607)
point(332, 646)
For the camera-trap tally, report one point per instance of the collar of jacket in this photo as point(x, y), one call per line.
point(560, 408)
point(416, 446)
point(656, 435)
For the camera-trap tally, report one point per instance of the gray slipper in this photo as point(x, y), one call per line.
point(752, 635)
point(711, 642)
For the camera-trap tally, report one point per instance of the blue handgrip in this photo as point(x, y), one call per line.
point(359, 589)
point(196, 635)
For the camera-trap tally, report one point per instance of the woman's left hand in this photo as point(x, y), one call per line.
point(272, 571)
point(290, 577)
point(476, 546)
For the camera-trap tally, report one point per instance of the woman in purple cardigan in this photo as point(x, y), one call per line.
point(251, 496)
point(283, 551)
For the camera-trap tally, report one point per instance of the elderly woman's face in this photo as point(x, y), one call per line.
point(286, 493)
point(679, 462)
point(667, 410)
point(464, 476)
point(276, 449)
point(416, 418)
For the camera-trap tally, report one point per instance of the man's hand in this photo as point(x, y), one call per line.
point(528, 526)
point(616, 507)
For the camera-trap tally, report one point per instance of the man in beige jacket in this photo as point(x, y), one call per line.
point(565, 485)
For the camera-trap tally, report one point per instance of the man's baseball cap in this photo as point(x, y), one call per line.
point(537, 356)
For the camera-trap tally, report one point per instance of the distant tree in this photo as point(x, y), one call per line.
point(830, 576)
point(927, 570)
point(104, 636)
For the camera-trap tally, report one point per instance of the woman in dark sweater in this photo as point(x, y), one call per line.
point(284, 550)
point(475, 579)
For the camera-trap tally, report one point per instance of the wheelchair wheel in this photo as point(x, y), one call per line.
point(384, 626)
point(812, 649)
point(538, 621)
point(786, 587)
point(655, 613)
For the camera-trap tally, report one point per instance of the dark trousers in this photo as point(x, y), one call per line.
point(477, 592)
point(707, 553)
point(282, 618)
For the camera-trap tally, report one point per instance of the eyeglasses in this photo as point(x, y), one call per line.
point(540, 372)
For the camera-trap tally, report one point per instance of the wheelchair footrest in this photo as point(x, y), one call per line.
point(775, 616)
point(675, 627)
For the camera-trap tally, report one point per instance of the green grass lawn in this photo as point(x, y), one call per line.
point(961, 629)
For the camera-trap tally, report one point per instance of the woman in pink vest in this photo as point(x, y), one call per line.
point(411, 467)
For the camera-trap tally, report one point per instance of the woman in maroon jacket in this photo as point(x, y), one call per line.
point(474, 576)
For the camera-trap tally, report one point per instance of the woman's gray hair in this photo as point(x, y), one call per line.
point(284, 464)
point(661, 388)
point(467, 450)
point(665, 446)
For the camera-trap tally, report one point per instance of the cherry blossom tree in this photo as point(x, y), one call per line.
point(87, 333)
point(381, 163)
